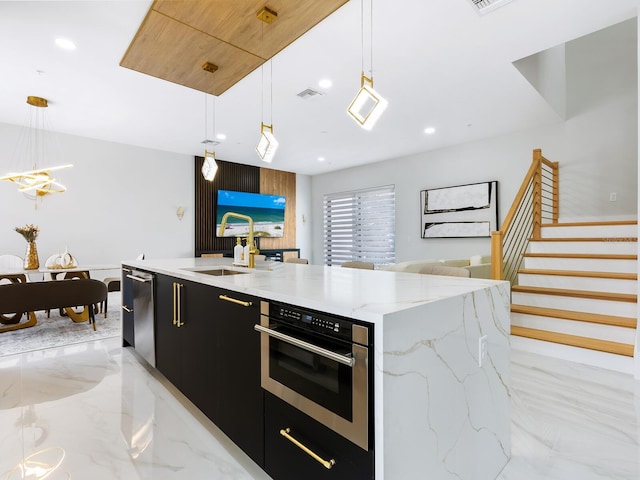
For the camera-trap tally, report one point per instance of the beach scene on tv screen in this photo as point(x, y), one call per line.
point(267, 212)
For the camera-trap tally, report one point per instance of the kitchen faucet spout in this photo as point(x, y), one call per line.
point(252, 248)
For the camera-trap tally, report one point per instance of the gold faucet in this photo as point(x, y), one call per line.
point(252, 247)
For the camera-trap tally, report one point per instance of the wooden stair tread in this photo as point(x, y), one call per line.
point(574, 340)
point(580, 273)
point(616, 297)
point(591, 224)
point(626, 322)
point(586, 239)
point(603, 256)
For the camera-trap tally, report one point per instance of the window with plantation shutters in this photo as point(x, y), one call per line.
point(360, 226)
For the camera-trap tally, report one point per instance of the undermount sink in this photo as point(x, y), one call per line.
point(218, 272)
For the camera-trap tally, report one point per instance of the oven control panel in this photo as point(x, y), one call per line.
point(318, 322)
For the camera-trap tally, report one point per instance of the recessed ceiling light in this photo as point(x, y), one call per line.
point(221, 136)
point(429, 130)
point(325, 83)
point(65, 43)
point(321, 159)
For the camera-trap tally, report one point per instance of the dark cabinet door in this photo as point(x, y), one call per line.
point(168, 336)
point(127, 309)
point(199, 364)
point(206, 346)
point(239, 399)
point(185, 338)
point(284, 460)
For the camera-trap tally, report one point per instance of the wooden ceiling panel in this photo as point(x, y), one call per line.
point(173, 51)
point(178, 36)
point(235, 21)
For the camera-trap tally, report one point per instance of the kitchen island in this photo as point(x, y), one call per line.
point(441, 356)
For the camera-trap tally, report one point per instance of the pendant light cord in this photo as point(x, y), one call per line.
point(262, 75)
point(206, 130)
point(370, 72)
point(206, 116)
point(362, 36)
point(371, 36)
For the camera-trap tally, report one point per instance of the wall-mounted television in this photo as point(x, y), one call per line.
point(267, 212)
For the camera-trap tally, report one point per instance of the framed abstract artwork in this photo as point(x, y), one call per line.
point(460, 211)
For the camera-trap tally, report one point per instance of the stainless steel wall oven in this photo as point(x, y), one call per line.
point(319, 364)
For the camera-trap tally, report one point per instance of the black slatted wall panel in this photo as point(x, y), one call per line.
point(230, 176)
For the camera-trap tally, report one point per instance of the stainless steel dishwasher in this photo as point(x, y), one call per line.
point(143, 315)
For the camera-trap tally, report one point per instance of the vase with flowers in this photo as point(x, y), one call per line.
point(30, 233)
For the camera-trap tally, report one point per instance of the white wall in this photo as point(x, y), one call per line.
point(597, 151)
point(120, 201)
point(303, 215)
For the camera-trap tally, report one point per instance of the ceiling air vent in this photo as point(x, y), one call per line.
point(308, 93)
point(486, 6)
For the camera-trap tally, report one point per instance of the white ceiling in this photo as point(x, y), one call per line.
point(437, 62)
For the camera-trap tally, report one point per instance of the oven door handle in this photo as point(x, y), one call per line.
point(336, 357)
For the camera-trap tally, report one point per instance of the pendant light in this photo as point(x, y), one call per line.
point(209, 166)
point(267, 144)
point(36, 181)
point(368, 105)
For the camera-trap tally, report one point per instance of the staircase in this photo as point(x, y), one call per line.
point(576, 294)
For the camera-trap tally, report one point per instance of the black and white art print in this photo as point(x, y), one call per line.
point(460, 211)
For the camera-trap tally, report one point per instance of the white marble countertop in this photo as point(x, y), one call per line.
point(366, 295)
point(437, 401)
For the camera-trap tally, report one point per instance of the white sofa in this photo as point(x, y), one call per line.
point(479, 266)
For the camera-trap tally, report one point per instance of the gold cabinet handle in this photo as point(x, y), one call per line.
point(179, 295)
point(325, 463)
point(175, 289)
point(127, 309)
point(235, 300)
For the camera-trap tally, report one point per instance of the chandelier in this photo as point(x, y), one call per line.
point(37, 181)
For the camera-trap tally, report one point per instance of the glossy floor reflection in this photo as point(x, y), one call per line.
point(92, 410)
point(570, 421)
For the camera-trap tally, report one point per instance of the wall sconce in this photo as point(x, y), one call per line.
point(180, 212)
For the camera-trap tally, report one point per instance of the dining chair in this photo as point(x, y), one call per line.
point(361, 265)
point(9, 266)
point(11, 263)
point(302, 261)
point(113, 285)
point(45, 295)
point(12, 318)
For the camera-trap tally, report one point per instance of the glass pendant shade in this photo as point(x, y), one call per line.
point(368, 105)
point(267, 145)
point(209, 166)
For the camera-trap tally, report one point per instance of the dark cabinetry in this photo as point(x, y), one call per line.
point(286, 460)
point(184, 333)
point(207, 347)
point(127, 309)
point(240, 404)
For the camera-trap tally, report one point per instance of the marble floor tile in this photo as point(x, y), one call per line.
point(572, 421)
point(93, 410)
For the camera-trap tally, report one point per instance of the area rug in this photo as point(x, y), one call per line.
point(58, 331)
